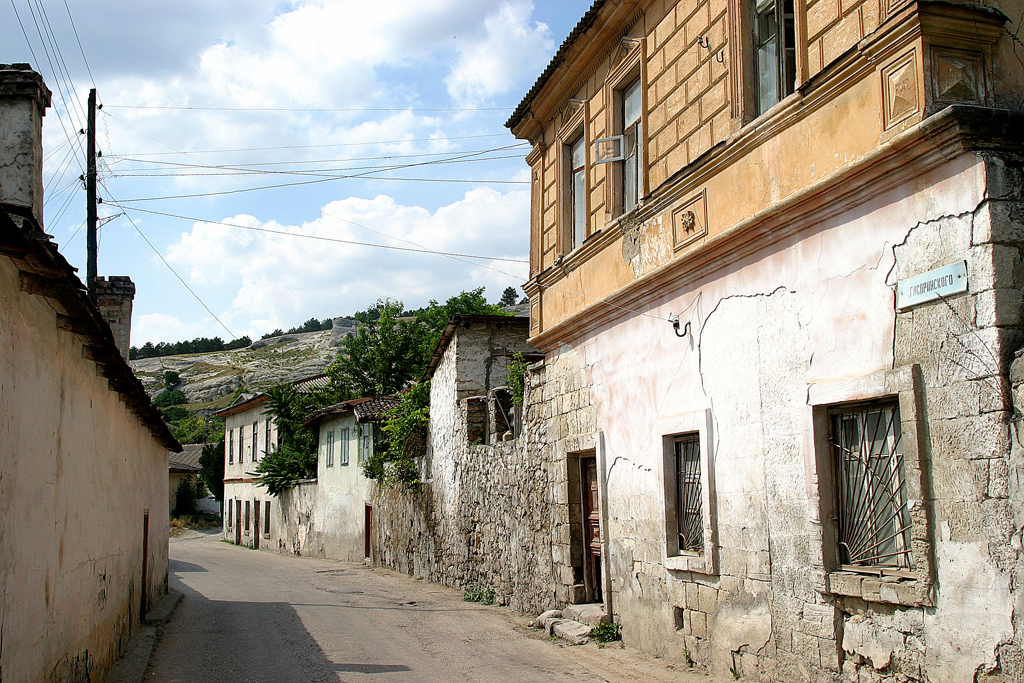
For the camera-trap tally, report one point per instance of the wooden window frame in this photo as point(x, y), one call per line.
point(343, 438)
point(630, 70)
point(914, 587)
point(669, 430)
point(329, 448)
point(572, 130)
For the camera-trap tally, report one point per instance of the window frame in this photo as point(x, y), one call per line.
point(329, 448)
point(231, 447)
point(343, 438)
point(365, 441)
point(255, 440)
point(669, 431)
point(267, 446)
point(573, 129)
point(630, 71)
point(907, 587)
point(266, 519)
point(577, 205)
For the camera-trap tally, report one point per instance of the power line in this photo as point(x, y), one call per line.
point(216, 171)
point(319, 237)
point(161, 256)
point(80, 48)
point(311, 110)
point(264, 149)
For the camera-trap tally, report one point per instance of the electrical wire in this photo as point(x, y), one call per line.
point(319, 237)
point(331, 145)
point(182, 281)
point(80, 48)
point(311, 110)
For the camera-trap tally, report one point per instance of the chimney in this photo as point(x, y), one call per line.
point(23, 102)
point(114, 297)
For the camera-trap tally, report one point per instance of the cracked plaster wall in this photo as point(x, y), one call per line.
point(819, 307)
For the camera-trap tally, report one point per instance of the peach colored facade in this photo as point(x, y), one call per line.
point(83, 452)
point(729, 277)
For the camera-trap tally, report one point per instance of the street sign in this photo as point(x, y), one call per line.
point(934, 284)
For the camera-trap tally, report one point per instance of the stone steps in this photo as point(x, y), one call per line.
point(574, 623)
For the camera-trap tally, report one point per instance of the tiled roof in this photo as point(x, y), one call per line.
point(581, 27)
point(187, 460)
point(241, 404)
point(308, 384)
point(376, 409)
point(365, 409)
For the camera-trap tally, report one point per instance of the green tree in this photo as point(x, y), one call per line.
point(171, 379)
point(406, 430)
point(508, 297)
point(294, 458)
point(211, 464)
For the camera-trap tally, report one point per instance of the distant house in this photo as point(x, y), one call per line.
point(83, 451)
point(249, 434)
point(331, 517)
point(181, 466)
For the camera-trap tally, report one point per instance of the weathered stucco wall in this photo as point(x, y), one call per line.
point(799, 319)
point(325, 518)
point(77, 472)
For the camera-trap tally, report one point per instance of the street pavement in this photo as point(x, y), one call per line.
point(254, 616)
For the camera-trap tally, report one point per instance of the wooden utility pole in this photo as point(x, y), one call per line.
point(90, 197)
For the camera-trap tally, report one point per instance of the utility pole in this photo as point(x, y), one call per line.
point(90, 197)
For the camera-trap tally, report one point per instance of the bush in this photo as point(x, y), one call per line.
point(606, 633)
point(170, 398)
point(185, 496)
point(171, 379)
point(485, 596)
point(282, 468)
point(515, 378)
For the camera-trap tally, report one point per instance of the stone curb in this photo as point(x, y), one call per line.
point(131, 668)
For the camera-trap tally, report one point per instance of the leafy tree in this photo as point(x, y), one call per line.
point(406, 429)
point(194, 429)
point(170, 398)
point(185, 496)
point(294, 458)
point(171, 379)
point(508, 297)
point(211, 464)
point(381, 356)
point(276, 333)
point(240, 343)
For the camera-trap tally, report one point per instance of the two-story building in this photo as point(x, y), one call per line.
point(779, 243)
point(249, 434)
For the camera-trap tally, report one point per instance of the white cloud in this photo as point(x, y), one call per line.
point(279, 281)
point(512, 48)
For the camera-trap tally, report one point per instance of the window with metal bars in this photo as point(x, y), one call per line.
point(872, 518)
point(689, 518)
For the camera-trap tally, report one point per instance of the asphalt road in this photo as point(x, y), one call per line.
point(253, 616)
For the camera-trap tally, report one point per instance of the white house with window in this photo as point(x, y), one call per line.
point(249, 433)
point(330, 516)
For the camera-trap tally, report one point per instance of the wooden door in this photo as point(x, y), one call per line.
point(591, 527)
point(238, 522)
point(256, 528)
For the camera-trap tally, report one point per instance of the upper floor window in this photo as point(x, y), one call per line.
point(343, 446)
point(578, 190)
point(231, 446)
point(632, 105)
point(365, 441)
point(255, 436)
point(774, 51)
point(330, 448)
point(268, 444)
point(241, 444)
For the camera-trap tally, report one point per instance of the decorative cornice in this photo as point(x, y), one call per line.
point(952, 132)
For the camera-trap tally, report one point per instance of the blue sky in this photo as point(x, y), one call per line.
point(206, 104)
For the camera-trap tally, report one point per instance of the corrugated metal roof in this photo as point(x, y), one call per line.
point(187, 460)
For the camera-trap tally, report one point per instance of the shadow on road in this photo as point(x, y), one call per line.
point(243, 642)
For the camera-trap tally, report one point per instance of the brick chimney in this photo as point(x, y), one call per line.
point(114, 296)
point(23, 102)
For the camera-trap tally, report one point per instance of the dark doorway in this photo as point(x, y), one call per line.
point(144, 602)
point(256, 528)
point(238, 522)
point(367, 532)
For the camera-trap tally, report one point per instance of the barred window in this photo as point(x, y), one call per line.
point(873, 521)
point(689, 519)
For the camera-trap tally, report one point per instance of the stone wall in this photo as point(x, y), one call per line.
point(487, 515)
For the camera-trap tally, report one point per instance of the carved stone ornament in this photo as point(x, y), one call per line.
point(900, 87)
point(688, 222)
point(957, 77)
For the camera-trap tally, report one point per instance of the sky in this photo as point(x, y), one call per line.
point(252, 149)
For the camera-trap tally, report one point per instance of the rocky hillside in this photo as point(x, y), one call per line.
point(210, 378)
